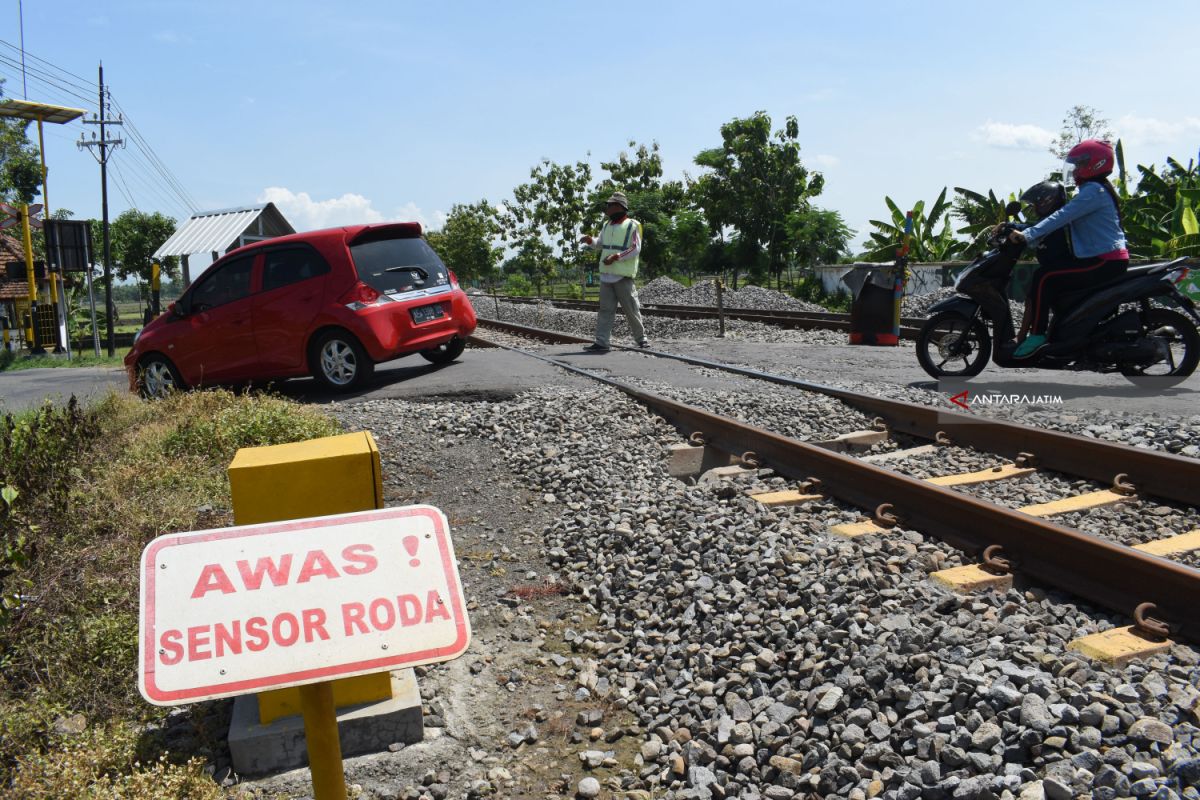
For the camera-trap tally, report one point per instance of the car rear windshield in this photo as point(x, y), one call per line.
point(398, 265)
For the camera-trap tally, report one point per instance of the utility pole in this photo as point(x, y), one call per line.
point(104, 148)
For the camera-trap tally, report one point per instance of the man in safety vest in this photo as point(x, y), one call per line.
point(619, 243)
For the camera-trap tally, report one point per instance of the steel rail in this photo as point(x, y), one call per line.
point(1105, 573)
point(1152, 472)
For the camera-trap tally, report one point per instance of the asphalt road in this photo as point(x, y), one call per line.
point(485, 374)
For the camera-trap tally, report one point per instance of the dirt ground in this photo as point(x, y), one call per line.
point(518, 682)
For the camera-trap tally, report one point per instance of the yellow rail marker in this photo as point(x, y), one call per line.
point(1080, 502)
point(999, 473)
point(1183, 543)
point(852, 530)
point(971, 578)
point(789, 497)
point(1118, 646)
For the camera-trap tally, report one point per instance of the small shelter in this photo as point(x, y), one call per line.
point(218, 232)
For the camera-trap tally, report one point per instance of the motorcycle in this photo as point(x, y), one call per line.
point(1119, 326)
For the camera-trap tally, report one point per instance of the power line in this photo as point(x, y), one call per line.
point(86, 84)
point(46, 78)
point(71, 85)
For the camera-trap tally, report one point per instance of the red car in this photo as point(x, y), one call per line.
point(330, 303)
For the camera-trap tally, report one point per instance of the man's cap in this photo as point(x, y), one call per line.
point(619, 199)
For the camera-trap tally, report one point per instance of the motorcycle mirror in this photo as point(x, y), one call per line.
point(1012, 209)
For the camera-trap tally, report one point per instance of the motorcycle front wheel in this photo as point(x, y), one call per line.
point(1183, 350)
point(951, 345)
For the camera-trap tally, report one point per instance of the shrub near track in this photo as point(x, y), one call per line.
point(85, 490)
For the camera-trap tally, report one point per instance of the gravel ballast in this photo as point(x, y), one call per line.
point(758, 657)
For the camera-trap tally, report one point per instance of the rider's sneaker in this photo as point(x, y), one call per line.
point(596, 347)
point(1030, 346)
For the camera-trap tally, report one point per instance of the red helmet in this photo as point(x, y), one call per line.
point(1090, 158)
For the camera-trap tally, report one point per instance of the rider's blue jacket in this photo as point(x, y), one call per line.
point(1095, 224)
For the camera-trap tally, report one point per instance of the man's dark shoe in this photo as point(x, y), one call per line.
point(643, 344)
point(596, 348)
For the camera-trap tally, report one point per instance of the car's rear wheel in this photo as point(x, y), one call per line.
point(157, 377)
point(339, 362)
point(445, 353)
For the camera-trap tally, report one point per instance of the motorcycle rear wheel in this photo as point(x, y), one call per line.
point(950, 337)
point(1183, 343)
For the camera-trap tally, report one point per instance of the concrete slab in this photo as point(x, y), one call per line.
point(971, 578)
point(852, 530)
point(998, 473)
point(1118, 646)
point(684, 460)
point(900, 455)
point(855, 440)
point(789, 497)
point(1079, 502)
point(1172, 545)
point(369, 728)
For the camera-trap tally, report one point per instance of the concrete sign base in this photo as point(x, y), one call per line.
point(369, 728)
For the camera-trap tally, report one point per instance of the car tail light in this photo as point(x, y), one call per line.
point(359, 296)
point(453, 279)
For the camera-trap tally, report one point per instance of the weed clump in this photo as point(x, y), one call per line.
point(82, 491)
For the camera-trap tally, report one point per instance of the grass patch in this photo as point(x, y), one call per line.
point(88, 489)
point(13, 363)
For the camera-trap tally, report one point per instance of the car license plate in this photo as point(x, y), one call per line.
point(426, 313)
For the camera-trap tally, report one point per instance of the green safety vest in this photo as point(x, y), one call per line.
point(615, 238)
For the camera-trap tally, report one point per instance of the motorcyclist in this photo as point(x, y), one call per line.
point(1096, 251)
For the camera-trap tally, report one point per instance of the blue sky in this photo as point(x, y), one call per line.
point(349, 112)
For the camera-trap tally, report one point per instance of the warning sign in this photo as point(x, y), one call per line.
point(237, 610)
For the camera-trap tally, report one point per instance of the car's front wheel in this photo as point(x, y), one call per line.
point(157, 377)
point(446, 352)
point(339, 362)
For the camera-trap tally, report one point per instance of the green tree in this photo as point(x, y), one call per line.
point(818, 236)
point(1081, 122)
point(551, 207)
point(755, 183)
point(20, 164)
point(652, 201)
point(533, 260)
point(467, 242)
point(134, 236)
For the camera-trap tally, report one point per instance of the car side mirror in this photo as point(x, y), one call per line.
point(177, 309)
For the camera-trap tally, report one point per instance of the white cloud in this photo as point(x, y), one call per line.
point(826, 161)
point(307, 214)
point(1149, 130)
point(1013, 137)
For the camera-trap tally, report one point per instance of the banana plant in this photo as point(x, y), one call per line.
point(1161, 219)
point(928, 243)
point(981, 213)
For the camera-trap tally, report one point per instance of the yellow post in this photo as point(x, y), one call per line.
point(46, 208)
point(334, 475)
point(321, 739)
point(31, 277)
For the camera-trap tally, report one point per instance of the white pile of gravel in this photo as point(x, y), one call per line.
point(658, 329)
point(665, 291)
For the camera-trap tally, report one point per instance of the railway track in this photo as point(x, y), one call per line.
point(833, 321)
point(1141, 582)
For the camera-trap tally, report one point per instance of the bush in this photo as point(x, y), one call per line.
point(518, 285)
point(809, 289)
point(122, 473)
